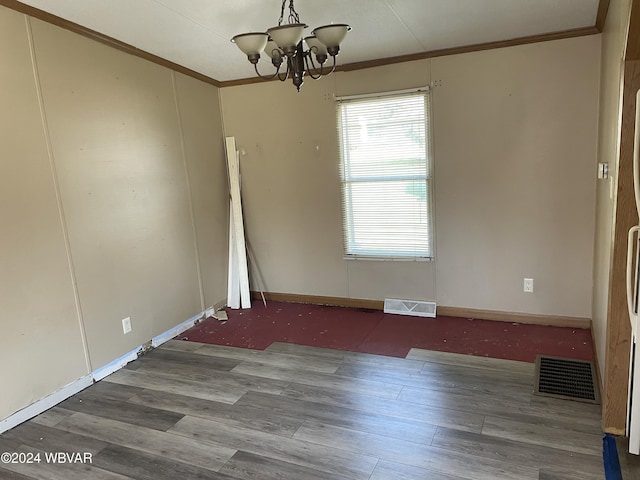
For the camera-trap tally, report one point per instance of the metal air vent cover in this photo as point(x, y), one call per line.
point(566, 378)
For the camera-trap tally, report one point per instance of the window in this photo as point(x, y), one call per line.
point(386, 175)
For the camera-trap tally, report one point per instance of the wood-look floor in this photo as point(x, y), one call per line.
point(629, 464)
point(193, 411)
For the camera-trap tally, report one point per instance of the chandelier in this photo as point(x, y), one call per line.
point(284, 44)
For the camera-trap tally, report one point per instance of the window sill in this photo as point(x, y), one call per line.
point(388, 259)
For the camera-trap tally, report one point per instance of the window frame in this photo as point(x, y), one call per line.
point(346, 183)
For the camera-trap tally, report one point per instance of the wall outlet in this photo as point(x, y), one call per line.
point(126, 325)
point(528, 285)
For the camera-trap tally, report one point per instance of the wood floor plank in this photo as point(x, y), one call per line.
point(52, 417)
point(629, 463)
point(304, 454)
point(500, 449)
point(322, 380)
point(134, 414)
point(439, 373)
point(452, 382)
point(583, 417)
point(309, 351)
point(401, 451)
point(496, 376)
point(508, 407)
point(437, 416)
point(247, 466)
point(414, 454)
point(62, 471)
point(204, 374)
point(397, 363)
point(345, 356)
point(528, 433)
point(251, 416)
point(471, 361)
point(294, 362)
point(391, 427)
point(386, 470)
point(50, 439)
point(565, 473)
point(167, 445)
point(220, 364)
point(176, 385)
point(111, 391)
point(8, 444)
point(9, 475)
point(562, 406)
point(144, 466)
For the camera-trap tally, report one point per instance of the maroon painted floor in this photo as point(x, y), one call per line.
point(372, 331)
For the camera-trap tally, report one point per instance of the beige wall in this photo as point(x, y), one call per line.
point(42, 347)
point(514, 144)
point(614, 38)
point(138, 166)
point(291, 192)
point(203, 143)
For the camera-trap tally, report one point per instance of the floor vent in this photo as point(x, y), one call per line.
point(566, 378)
point(410, 307)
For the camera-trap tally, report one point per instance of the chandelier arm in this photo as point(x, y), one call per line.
point(333, 67)
point(311, 67)
point(321, 71)
point(283, 76)
point(266, 77)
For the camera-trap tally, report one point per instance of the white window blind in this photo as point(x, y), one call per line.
point(385, 174)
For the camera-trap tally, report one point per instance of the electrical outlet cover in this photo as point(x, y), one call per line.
point(126, 325)
point(528, 285)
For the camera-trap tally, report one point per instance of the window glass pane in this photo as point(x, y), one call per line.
point(388, 217)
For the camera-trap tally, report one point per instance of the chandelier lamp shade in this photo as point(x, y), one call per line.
point(292, 55)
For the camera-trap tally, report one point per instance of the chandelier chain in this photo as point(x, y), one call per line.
point(293, 15)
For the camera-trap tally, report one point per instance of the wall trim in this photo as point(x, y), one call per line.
point(80, 384)
point(514, 317)
point(320, 300)
point(45, 403)
point(601, 16)
point(106, 370)
point(177, 330)
point(596, 363)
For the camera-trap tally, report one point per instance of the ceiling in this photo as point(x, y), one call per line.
point(195, 33)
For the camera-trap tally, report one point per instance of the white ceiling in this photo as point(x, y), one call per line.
point(196, 33)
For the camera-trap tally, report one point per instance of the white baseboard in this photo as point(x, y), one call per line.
point(116, 365)
point(67, 391)
point(45, 403)
point(177, 330)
